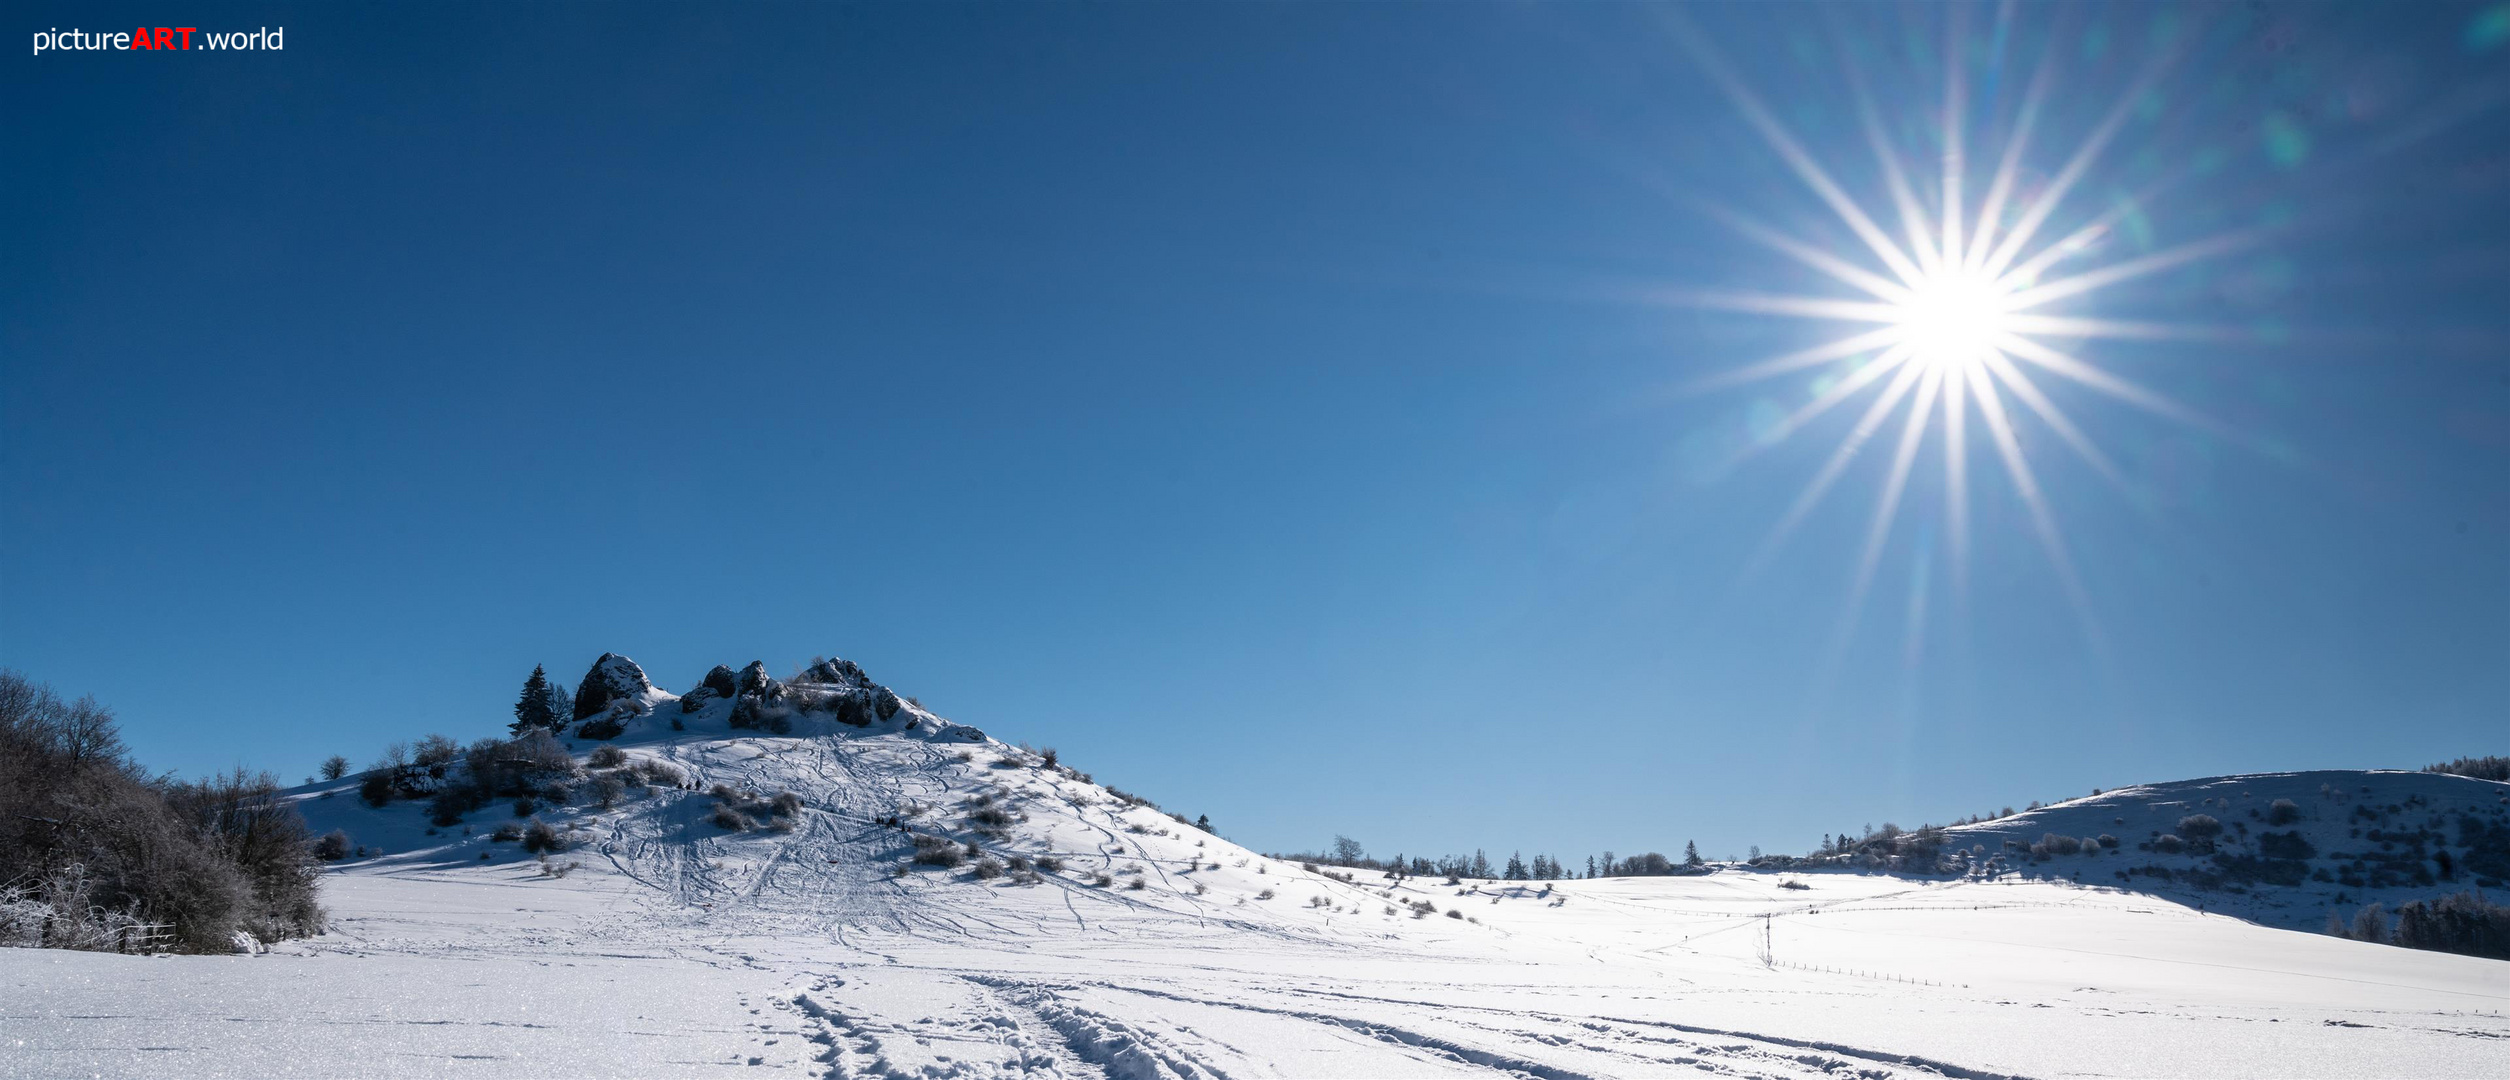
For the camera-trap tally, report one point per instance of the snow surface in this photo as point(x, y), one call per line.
point(676, 948)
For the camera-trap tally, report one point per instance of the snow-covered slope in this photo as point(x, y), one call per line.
point(673, 940)
point(2289, 847)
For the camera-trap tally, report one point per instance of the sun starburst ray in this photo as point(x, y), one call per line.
point(2019, 383)
point(2009, 168)
point(1956, 114)
point(1809, 307)
point(1801, 359)
point(1797, 158)
point(2009, 448)
point(2131, 269)
point(2063, 184)
point(1867, 425)
point(1845, 272)
point(2091, 376)
point(1956, 481)
point(1913, 219)
point(1832, 395)
point(1887, 509)
point(2080, 327)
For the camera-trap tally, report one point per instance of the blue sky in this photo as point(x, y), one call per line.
point(1276, 408)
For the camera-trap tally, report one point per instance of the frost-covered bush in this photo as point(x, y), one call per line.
point(332, 847)
point(606, 757)
point(786, 803)
point(540, 838)
point(2055, 844)
point(938, 851)
point(728, 818)
point(2283, 812)
point(2169, 844)
point(988, 869)
point(1050, 864)
point(2199, 830)
point(507, 833)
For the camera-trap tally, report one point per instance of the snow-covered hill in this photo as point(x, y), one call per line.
point(748, 899)
point(2285, 849)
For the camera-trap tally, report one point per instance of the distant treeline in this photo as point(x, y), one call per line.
point(1350, 854)
point(97, 854)
point(2481, 768)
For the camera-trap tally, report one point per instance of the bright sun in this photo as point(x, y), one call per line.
point(1955, 315)
point(1952, 319)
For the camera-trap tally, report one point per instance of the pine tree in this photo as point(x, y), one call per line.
point(1590, 866)
point(1690, 853)
point(1202, 822)
point(1480, 867)
point(534, 710)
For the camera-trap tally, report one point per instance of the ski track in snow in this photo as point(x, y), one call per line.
point(677, 948)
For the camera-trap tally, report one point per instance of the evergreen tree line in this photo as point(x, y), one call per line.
point(92, 847)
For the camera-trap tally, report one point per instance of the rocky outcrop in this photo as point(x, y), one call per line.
point(612, 678)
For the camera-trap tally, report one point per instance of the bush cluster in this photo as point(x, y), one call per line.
point(92, 844)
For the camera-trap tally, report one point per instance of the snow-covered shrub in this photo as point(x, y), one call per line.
point(2169, 844)
point(787, 804)
point(332, 847)
point(526, 806)
point(606, 756)
point(987, 869)
point(1138, 883)
point(1264, 895)
point(507, 833)
point(2199, 830)
point(2283, 812)
point(1050, 864)
point(2056, 844)
point(1455, 913)
point(728, 818)
point(376, 788)
point(540, 838)
point(606, 790)
point(938, 851)
point(661, 773)
point(2108, 841)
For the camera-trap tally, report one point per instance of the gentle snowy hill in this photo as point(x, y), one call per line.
point(742, 895)
point(2283, 848)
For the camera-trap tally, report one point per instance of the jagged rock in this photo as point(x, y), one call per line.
point(886, 702)
point(753, 679)
point(723, 682)
point(701, 697)
point(837, 672)
point(612, 678)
